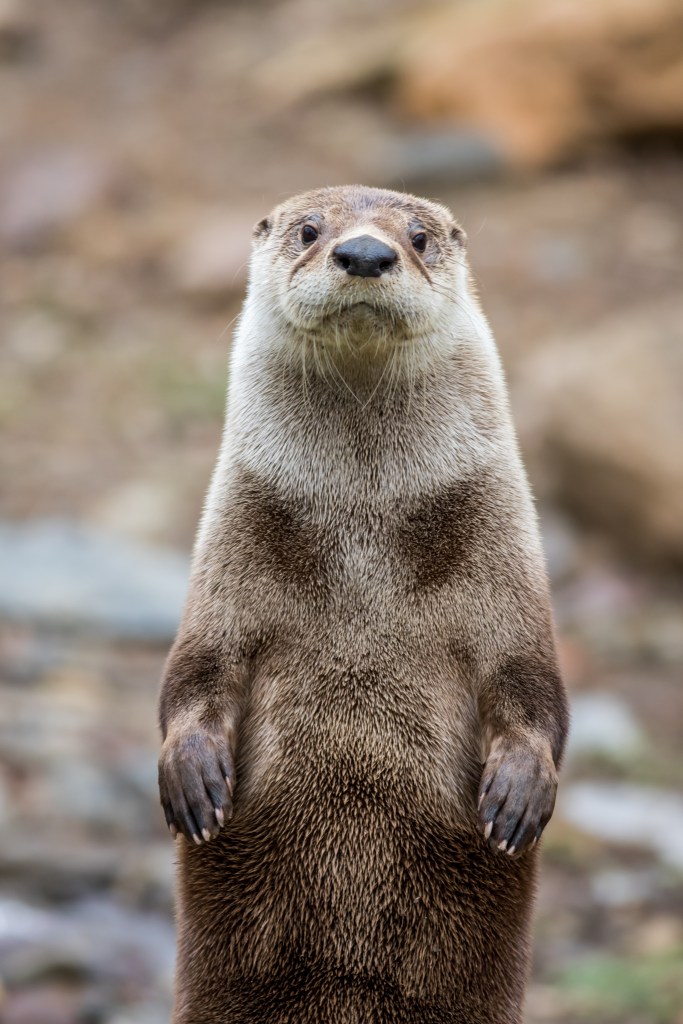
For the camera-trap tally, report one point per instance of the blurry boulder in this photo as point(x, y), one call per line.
point(113, 946)
point(43, 1004)
point(422, 159)
point(59, 862)
point(616, 888)
point(547, 77)
point(333, 59)
point(80, 791)
point(159, 17)
point(601, 418)
point(64, 575)
point(18, 29)
point(629, 815)
point(660, 934)
point(603, 724)
point(141, 509)
point(211, 262)
point(560, 544)
point(48, 192)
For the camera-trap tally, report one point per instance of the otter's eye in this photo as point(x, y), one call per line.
point(309, 233)
point(419, 241)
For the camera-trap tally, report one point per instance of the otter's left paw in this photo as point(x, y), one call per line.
point(516, 796)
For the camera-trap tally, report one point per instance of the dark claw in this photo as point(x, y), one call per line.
point(516, 797)
point(195, 794)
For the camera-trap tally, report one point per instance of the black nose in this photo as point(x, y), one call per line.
point(364, 256)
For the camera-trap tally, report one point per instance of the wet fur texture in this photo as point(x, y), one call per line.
point(362, 713)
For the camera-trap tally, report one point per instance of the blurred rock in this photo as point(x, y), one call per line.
point(46, 1004)
point(603, 724)
point(649, 632)
point(558, 260)
point(147, 872)
point(546, 78)
point(625, 888)
point(543, 1003)
point(56, 867)
point(79, 791)
point(145, 1013)
point(651, 232)
point(661, 933)
point(660, 636)
point(48, 192)
point(159, 17)
point(36, 338)
point(60, 864)
point(211, 263)
point(625, 814)
point(17, 29)
point(140, 509)
point(601, 414)
point(324, 59)
point(602, 593)
point(560, 544)
point(91, 940)
point(65, 575)
point(39, 728)
point(426, 159)
point(4, 805)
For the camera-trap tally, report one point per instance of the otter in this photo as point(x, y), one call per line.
point(362, 713)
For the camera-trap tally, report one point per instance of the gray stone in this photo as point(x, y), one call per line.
point(51, 1003)
point(66, 575)
point(82, 791)
point(603, 724)
point(35, 338)
point(440, 158)
point(60, 864)
point(4, 805)
point(94, 939)
point(630, 815)
point(140, 509)
point(18, 28)
point(611, 456)
point(558, 260)
point(625, 888)
point(211, 262)
point(48, 192)
point(145, 1013)
point(560, 545)
point(56, 867)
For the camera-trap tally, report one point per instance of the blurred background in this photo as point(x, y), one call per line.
point(139, 141)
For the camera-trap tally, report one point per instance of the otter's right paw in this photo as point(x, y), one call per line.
point(196, 777)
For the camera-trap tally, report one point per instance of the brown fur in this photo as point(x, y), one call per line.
point(365, 661)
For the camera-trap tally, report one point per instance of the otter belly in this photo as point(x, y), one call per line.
point(348, 887)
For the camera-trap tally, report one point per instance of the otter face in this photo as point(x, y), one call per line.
point(366, 260)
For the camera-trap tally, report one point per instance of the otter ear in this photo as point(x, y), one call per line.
point(262, 229)
point(458, 235)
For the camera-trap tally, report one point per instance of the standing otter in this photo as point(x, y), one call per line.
point(362, 709)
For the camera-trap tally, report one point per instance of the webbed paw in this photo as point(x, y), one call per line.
point(516, 795)
point(196, 777)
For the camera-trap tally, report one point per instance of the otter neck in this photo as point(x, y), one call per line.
point(308, 428)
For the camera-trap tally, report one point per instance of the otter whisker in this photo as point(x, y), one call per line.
point(229, 325)
point(304, 378)
point(320, 366)
point(374, 390)
point(339, 374)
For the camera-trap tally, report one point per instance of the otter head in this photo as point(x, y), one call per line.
point(361, 265)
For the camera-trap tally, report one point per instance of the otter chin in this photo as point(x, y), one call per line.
point(362, 714)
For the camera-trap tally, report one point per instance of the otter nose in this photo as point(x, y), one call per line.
point(364, 256)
